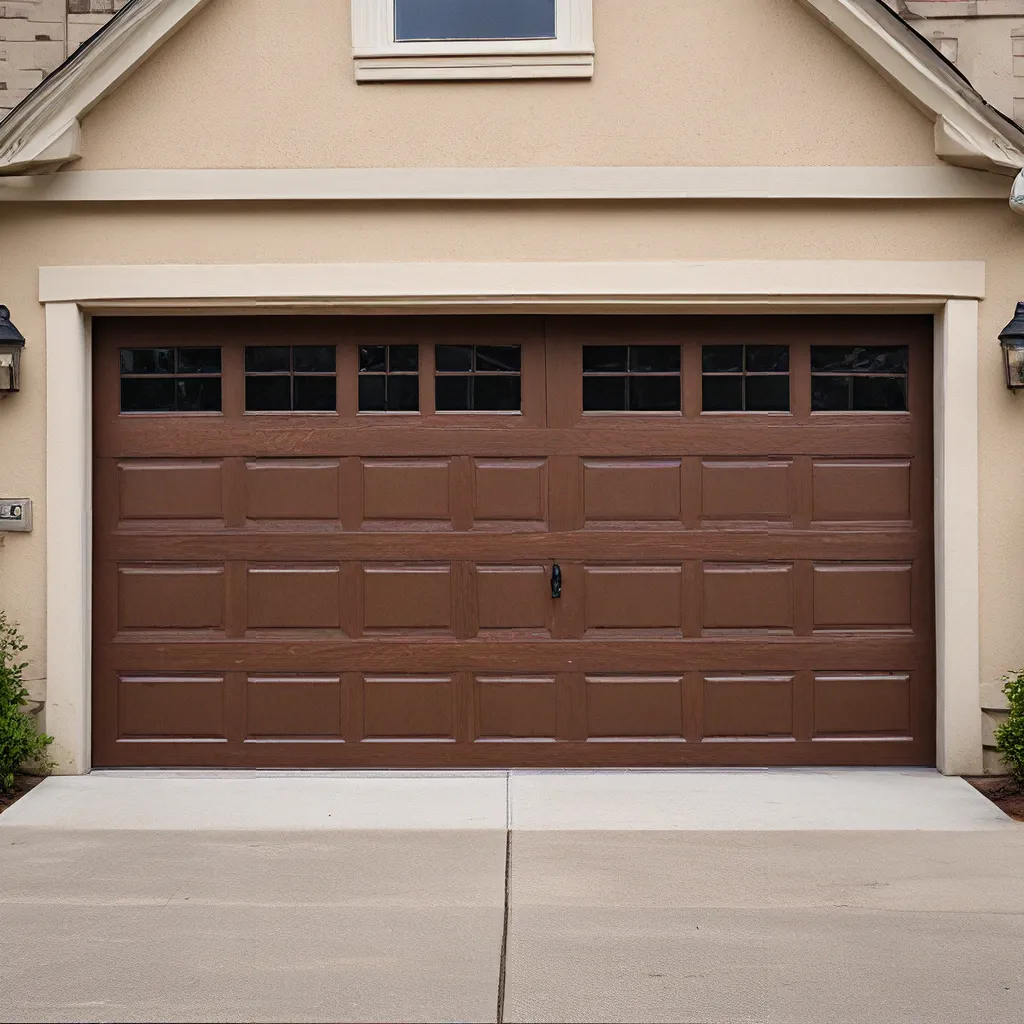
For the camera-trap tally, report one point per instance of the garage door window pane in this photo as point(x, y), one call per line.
point(170, 380)
point(478, 378)
point(299, 378)
point(474, 19)
point(389, 378)
point(745, 378)
point(632, 378)
point(858, 378)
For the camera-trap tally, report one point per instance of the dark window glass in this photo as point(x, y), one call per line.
point(859, 378)
point(147, 360)
point(605, 358)
point(654, 394)
point(300, 378)
point(170, 380)
point(314, 358)
point(474, 19)
point(372, 391)
point(604, 394)
point(403, 393)
point(722, 394)
point(478, 378)
point(314, 394)
point(745, 378)
point(198, 360)
point(722, 359)
point(454, 358)
point(631, 378)
point(267, 359)
point(389, 378)
point(139, 394)
point(373, 358)
point(268, 394)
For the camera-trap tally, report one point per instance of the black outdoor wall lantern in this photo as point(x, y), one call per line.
point(12, 341)
point(1011, 338)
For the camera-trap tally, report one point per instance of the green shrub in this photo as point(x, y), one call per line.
point(1010, 735)
point(20, 743)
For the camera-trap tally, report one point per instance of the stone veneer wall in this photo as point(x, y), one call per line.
point(37, 35)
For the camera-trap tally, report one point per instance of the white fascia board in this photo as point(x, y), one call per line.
point(968, 132)
point(481, 184)
point(42, 132)
point(525, 283)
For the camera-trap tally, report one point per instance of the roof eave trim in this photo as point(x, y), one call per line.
point(43, 132)
point(968, 132)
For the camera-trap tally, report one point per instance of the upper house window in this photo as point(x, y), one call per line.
point(464, 39)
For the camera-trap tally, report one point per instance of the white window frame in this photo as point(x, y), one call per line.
point(380, 58)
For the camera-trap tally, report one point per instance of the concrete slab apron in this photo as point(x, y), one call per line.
point(211, 926)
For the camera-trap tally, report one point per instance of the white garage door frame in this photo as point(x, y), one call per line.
point(949, 290)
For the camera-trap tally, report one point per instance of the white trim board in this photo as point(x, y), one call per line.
point(950, 290)
point(505, 183)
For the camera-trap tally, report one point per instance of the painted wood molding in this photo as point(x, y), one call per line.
point(504, 184)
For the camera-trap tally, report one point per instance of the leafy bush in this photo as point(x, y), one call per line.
point(20, 743)
point(1010, 735)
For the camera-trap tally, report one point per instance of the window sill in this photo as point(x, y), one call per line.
point(392, 67)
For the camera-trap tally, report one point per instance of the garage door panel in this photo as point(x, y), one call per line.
point(170, 707)
point(171, 489)
point(372, 590)
point(292, 489)
point(748, 597)
point(859, 490)
point(862, 597)
point(516, 708)
point(746, 490)
point(407, 597)
point(632, 491)
point(170, 596)
point(510, 491)
point(294, 707)
point(638, 597)
point(409, 708)
point(293, 597)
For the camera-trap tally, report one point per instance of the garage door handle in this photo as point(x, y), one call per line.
point(556, 580)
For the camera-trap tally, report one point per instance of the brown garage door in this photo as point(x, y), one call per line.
point(502, 541)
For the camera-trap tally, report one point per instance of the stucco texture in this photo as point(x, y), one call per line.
point(270, 83)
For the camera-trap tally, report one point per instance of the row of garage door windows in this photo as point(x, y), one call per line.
point(487, 378)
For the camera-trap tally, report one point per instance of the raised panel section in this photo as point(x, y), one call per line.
point(633, 597)
point(166, 489)
point(634, 707)
point(406, 489)
point(419, 708)
point(291, 489)
point(509, 489)
point(862, 596)
point(748, 706)
point(747, 597)
point(625, 490)
point(516, 707)
point(293, 707)
point(294, 597)
point(862, 705)
point(170, 596)
point(861, 490)
point(513, 596)
point(407, 597)
point(170, 707)
point(736, 489)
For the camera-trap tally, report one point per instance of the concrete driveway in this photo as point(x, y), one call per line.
point(800, 896)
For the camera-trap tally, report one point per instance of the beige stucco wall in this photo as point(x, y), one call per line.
point(36, 236)
point(270, 83)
